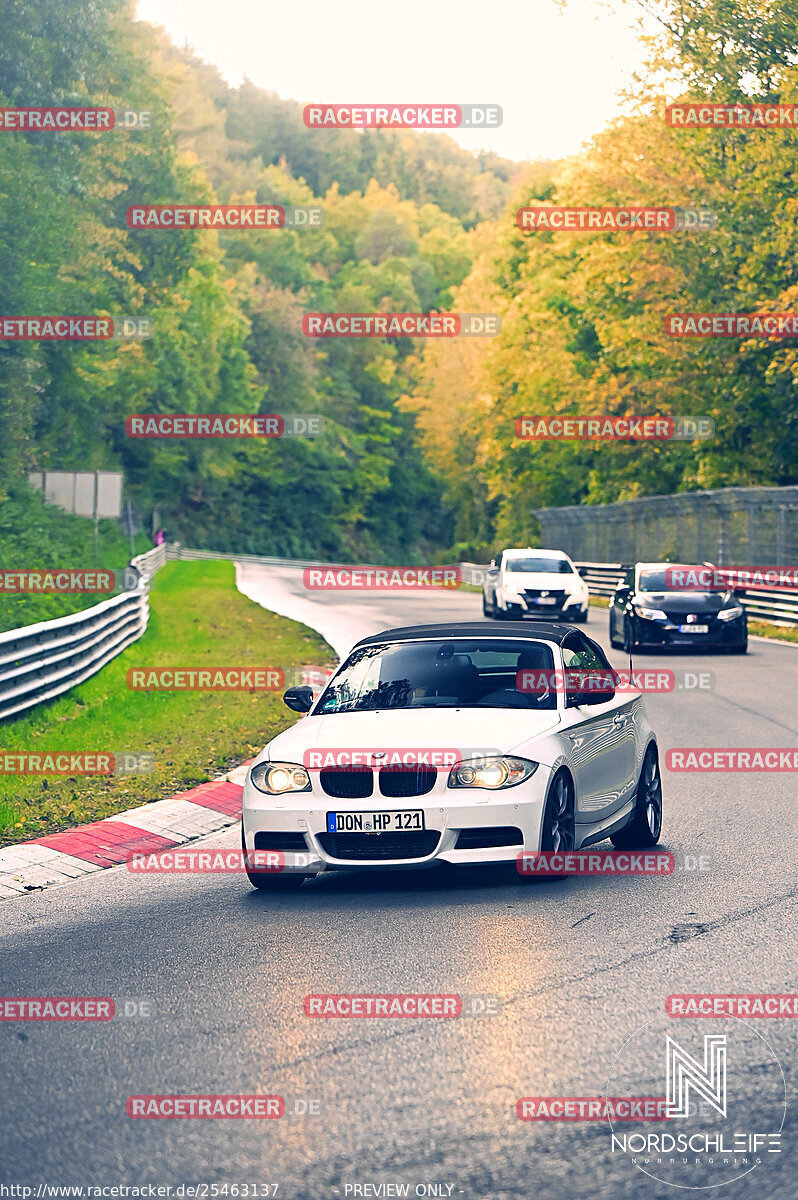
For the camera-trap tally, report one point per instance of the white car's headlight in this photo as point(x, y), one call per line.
point(500, 772)
point(729, 614)
point(650, 614)
point(276, 778)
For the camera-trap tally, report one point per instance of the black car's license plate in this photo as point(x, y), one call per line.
point(375, 822)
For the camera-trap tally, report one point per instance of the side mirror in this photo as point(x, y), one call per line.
point(576, 699)
point(300, 699)
point(590, 687)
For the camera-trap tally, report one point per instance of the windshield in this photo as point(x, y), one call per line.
point(551, 566)
point(448, 673)
point(658, 579)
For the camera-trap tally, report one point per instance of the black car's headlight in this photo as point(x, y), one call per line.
point(502, 771)
point(730, 614)
point(650, 614)
point(276, 778)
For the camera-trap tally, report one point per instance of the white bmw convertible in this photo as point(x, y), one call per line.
point(453, 743)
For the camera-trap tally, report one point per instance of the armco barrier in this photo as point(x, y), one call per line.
point(39, 662)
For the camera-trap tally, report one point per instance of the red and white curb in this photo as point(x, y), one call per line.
point(57, 857)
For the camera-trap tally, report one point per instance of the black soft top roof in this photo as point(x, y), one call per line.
point(550, 631)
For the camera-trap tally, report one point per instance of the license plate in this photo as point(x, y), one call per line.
point(546, 600)
point(375, 822)
point(693, 629)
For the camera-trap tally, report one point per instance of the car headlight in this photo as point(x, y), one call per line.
point(651, 614)
point(276, 778)
point(500, 772)
point(729, 614)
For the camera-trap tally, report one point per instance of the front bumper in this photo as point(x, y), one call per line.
point(520, 607)
point(720, 633)
point(447, 811)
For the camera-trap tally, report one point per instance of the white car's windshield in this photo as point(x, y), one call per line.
point(548, 566)
point(468, 673)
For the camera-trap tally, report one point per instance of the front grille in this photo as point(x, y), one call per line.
point(489, 837)
point(279, 839)
point(349, 784)
point(701, 619)
point(380, 846)
point(536, 593)
point(407, 781)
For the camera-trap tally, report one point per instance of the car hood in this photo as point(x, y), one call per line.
point(685, 602)
point(499, 730)
point(541, 579)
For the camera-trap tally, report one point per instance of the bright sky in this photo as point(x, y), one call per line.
point(556, 71)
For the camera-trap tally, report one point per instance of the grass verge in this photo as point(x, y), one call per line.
point(197, 619)
point(35, 535)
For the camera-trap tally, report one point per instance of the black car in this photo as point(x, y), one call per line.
point(649, 608)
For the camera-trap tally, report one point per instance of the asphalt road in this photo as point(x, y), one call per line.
point(577, 967)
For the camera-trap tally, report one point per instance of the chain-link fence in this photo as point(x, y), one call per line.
point(750, 526)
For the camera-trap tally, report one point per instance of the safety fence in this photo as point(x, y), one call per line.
point(39, 662)
point(739, 526)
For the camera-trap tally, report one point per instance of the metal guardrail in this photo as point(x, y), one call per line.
point(39, 662)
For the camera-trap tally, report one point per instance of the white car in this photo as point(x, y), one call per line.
point(430, 745)
point(534, 583)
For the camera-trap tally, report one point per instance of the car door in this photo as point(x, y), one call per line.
point(618, 603)
point(601, 736)
point(491, 578)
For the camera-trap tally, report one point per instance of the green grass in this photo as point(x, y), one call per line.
point(35, 535)
point(197, 618)
point(778, 633)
